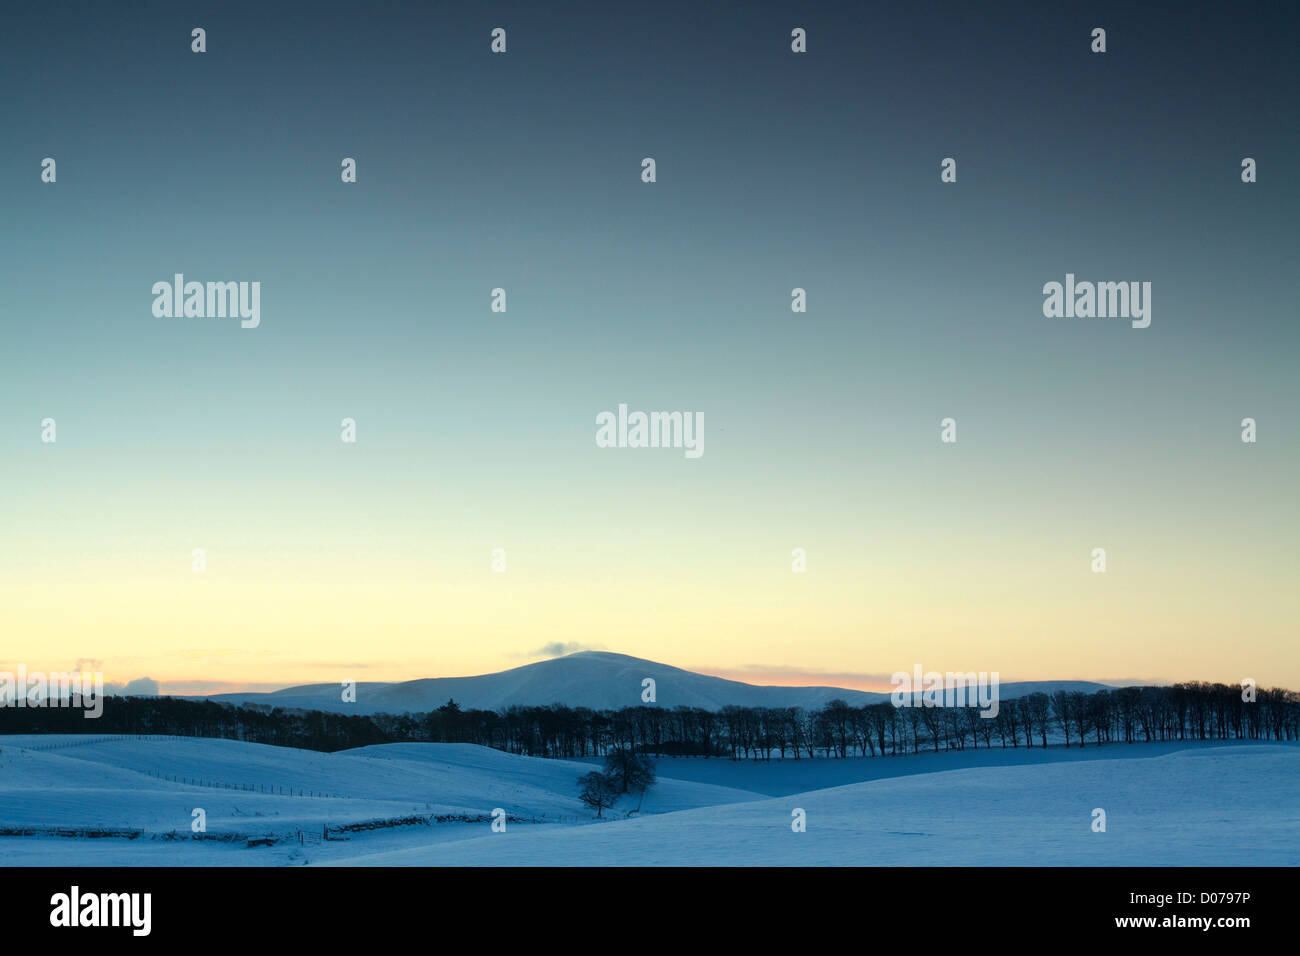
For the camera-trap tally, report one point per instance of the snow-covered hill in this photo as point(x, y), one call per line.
point(153, 784)
point(595, 679)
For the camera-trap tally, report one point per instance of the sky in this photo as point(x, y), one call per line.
point(476, 429)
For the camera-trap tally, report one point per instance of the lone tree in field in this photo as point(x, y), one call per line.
point(629, 770)
point(597, 791)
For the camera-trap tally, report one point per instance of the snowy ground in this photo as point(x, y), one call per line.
point(777, 778)
point(1230, 804)
point(258, 791)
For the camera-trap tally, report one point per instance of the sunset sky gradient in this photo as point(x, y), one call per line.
point(329, 561)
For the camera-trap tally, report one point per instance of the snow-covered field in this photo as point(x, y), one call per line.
point(1228, 804)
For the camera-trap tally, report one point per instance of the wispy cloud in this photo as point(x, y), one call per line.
point(800, 676)
point(864, 680)
point(560, 648)
point(200, 688)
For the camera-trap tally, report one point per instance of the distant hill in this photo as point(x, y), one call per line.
point(595, 679)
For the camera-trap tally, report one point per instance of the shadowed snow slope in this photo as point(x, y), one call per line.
point(111, 782)
point(1232, 806)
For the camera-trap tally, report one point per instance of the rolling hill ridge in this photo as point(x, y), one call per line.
point(597, 679)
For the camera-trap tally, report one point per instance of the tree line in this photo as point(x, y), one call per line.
point(1179, 712)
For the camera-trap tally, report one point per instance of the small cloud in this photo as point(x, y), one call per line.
point(561, 648)
point(140, 687)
